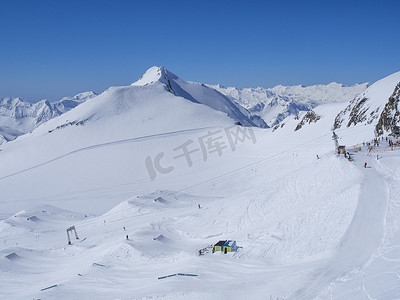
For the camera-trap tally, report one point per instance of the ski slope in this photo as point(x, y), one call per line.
point(362, 238)
point(309, 224)
point(292, 229)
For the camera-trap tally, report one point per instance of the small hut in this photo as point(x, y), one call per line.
point(225, 246)
point(218, 246)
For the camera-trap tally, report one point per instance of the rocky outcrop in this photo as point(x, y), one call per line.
point(390, 115)
point(309, 117)
point(377, 106)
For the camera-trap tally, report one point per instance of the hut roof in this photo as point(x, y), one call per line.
point(229, 243)
point(220, 243)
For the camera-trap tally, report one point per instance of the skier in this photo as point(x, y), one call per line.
point(317, 156)
point(365, 165)
point(199, 206)
point(127, 238)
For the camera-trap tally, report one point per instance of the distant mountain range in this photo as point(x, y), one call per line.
point(275, 104)
point(18, 117)
point(258, 107)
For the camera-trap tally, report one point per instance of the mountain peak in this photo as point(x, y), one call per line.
point(153, 75)
point(9, 101)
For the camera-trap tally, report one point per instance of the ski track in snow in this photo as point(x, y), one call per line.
point(131, 140)
point(362, 239)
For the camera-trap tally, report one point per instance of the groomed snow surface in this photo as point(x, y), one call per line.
point(306, 227)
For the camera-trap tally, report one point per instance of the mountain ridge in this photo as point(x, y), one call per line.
point(275, 104)
point(198, 93)
point(258, 107)
point(18, 116)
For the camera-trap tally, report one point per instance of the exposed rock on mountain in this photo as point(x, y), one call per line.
point(309, 117)
point(390, 116)
point(378, 105)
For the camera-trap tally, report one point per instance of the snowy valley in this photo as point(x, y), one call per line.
point(151, 173)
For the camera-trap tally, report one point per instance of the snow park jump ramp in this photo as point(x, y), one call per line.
point(363, 237)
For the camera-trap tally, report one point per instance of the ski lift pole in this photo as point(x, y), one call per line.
point(69, 239)
point(335, 137)
point(76, 235)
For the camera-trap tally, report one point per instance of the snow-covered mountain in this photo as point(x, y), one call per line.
point(198, 93)
point(158, 104)
point(18, 117)
point(68, 103)
point(250, 107)
point(275, 104)
point(377, 105)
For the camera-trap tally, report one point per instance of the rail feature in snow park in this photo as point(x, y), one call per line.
point(190, 275)
point(177, 274)
point(99, 265)
point(167, 276)
point(49, 287)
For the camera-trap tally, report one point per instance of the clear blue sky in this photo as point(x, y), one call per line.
point(50, 49)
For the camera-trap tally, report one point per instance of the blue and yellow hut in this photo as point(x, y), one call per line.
point(225, 246)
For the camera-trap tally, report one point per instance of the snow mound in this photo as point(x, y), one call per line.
point(33, 219)
point(12, 256)
point(161, 238)
point(161, 200)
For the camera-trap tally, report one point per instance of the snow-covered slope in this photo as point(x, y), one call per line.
point(119, 113)
point(198, 93)
point(18, 117)
point(275, 104)
point(377, 106)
